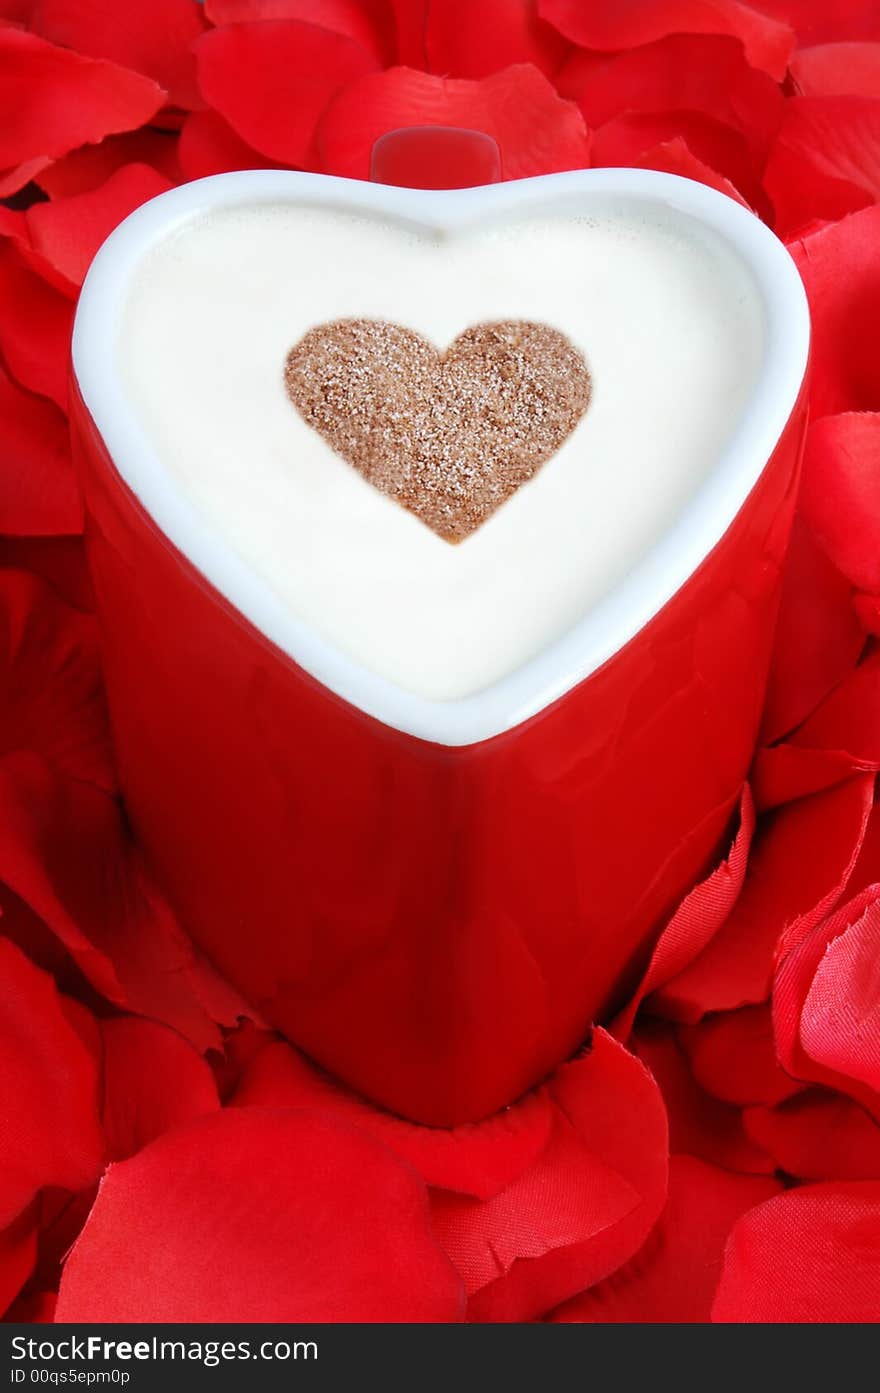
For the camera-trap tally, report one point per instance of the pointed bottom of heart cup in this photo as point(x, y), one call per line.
point(435, 920)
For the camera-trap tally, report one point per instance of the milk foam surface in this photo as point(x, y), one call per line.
point(665, 313)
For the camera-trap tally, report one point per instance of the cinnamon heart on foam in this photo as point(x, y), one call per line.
point(450, 435)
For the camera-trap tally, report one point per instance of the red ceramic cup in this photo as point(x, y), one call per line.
point(435, 900)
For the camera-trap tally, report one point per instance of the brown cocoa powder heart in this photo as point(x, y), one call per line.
point(448, 435)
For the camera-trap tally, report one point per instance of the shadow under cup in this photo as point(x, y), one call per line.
point(437, 925)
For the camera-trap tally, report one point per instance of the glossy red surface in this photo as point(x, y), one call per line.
point(435, 157)
point(437, 926)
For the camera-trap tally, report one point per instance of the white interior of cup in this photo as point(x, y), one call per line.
point(626, 609)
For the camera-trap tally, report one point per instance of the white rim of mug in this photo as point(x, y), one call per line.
point(633, 602)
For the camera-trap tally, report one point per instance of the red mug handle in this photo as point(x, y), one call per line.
point(435, 157)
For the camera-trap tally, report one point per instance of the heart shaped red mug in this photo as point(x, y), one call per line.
point(435, 899)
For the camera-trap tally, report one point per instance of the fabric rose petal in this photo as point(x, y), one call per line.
point(67, 855)
point(535, 1203)
point(477, 1159)
point(817, 22)
point(39, 497)
point(474, 38)
point(320, 1222)
point(364, 21)
point(825, 162)
point(732, 1055)
point(35, 325)
point(810, 1255)
point(840, 493)
point(631, 23)
point(68, 231)
point(51, 692)
point(536, 130)
point(272, 81)
point(818, 637)
point(54, 100)
point(799, 867)
point(845, 373)
point(90, 166)
point(674, 157)
point(826, 1002)
point(837, 69)
point(818, 1135)
point(155, 39)
point(209, 145)
point(699, 1124)
point(153, 1080)
point(673, 1277)
point(684, 72)
point(18, 1253)
point(625, 139)
point(698, 917)
point(50, 1131)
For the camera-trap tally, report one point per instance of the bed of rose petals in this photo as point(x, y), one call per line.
point(714, 1151)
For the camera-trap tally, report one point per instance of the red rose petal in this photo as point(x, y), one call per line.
point(630, 23)
point(685, 72)
point(867, 868)
point(53, 696)
point(867, 607)
point(209, 145)
point(818, 637)
point(673, 1278)
point(410, 25)
point(810, 1255)
point(92, 165)
point(353, 18)
point(815, 21)
point(39, 491)
point(319, 1222)
point(35, 329)
point(674, 157)
point(699, 1124)
point(848, 720)
point(541, 1239)
point(827, 148)
point(241, 1046)
point(55, 99)
point(49, 1122)
point(697, 919)
point(821, 1039)
point(733, 1056)
point(68, 231)
point(18, 1252)
point(153, 1080)
point(272, 81)
point(840, 1019)
point(15, 177)
point(818, 1135)
point(840, 493)
point(626, 139)
point(37, 1309)
point(845, 311)
point(837, 69)
point(477, 1159)
point(474, 38)
point(155, 39)
point(66, 854)
point(800, 862)
point(593, 1138)
point(536, 130)
point(60, 561)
